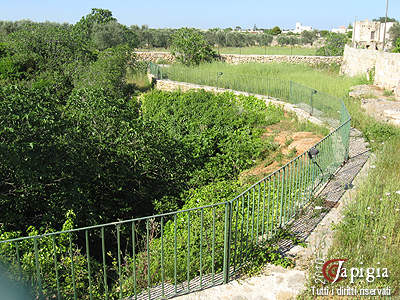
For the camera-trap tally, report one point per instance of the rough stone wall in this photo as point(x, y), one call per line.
point(387, 70)
point(169, 85)
point(293, 59)
point(239, 59)
point(360, 61)
point(155, 56)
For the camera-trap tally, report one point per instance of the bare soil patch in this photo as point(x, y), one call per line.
point(290, 143)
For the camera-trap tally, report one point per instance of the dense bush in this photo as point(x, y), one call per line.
point(190, 47)
point(222, 131)
point(334, 45)
point(92, 155)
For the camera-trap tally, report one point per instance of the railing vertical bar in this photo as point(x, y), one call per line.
point(188, 252)
point(162, 257)
point(290, 211)
point(88, 263)
point(227, 239)
point(236, 234)
point(37, 267)
point(247, 225)
point(283, 171)
point(242, 230)
point(285, 186)
point(252, 216)
point(103, 249)
point(72, 266)
point(295, 186)
point(258, 210)
point(201, 246)
point(148, 257)
point(119, 260)
point(56, 266)
point(304, 178)
point(275, 194)
point(263, 214)
point(268, 210)
point(134, 257)
point(213, 248)
point(18, 260)
point(175, 254)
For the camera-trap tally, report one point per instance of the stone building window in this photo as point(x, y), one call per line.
point(372, 35)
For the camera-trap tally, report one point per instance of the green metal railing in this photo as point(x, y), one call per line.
point(179, 252)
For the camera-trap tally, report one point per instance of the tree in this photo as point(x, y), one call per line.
point(266, 39)
point(111, 34)
point(276, 30)
point(394, 32)
point(189, 47)
point(308, 37)
point(97, 16)
point(382, 19)
point(334, 45)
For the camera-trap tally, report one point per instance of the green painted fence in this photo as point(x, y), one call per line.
point(179, 252)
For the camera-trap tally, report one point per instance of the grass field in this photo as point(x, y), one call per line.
point(324, 78)
point(254, 50)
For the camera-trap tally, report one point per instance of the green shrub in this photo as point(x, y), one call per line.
point(334, 45)
point(190, 47)
point(222, 130)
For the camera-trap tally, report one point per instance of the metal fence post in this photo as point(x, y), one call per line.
point(227, 240)
point(311, 102)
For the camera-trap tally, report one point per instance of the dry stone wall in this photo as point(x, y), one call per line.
point(386, 66)
point(239, 59)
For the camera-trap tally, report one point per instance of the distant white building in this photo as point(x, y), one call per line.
point(340, 29)
point(369, 34)
point(300, 28)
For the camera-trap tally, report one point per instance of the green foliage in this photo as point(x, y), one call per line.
point(111, 34)
point(190, 47)
point(47, 252)
point(276, 30)
point(324, 33)
point(107, 72)
point(221, 131)
point(39, 47)
point(56, 158)
point(380, 132)
point(334, 45)
point(394, 33)
point(309, 37)
point(97, 16)
point(284, 40)
point(384, 19)
point(396, 49)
